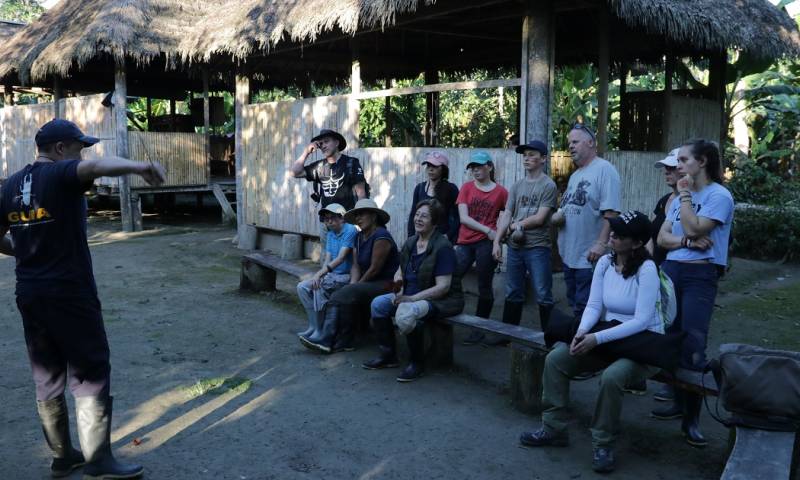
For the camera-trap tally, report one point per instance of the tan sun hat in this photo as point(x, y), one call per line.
point(367, 204)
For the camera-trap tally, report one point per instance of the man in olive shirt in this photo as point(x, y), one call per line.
point(525, 225)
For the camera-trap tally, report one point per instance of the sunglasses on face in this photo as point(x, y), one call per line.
point(580, 126)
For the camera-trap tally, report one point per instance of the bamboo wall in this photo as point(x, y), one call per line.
point(693, 118)
point(18, 127)
point(273, 199)
point(183, 155)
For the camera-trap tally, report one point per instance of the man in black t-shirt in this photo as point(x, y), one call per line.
point(337, 178)
point(44, 207)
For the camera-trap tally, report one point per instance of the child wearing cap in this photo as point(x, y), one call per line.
point(480, 202)
point(335, 272)
point(445, 192)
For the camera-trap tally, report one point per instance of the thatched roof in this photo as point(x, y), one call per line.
point(8, 29)
point(75, 32)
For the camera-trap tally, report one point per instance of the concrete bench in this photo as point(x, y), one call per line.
point(259, 271)
point(761, 455)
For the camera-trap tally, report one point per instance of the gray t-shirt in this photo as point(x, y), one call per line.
point(591, 190)
point(525, 198)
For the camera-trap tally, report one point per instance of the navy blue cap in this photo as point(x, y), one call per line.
point(537, 145)
point(60, 130)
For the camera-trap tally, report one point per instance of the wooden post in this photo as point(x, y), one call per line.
point(602, 92)
point(666, 119)
point(525, 386)
point(121, 136)
point(242, 98)
point(538, 47)
point(387, 116)
point(352, 104)
point(623, 91)
point(431, 110)
point(207, 122)
point(717, 82)
point(149, 114)
point(172, 112)
point(8, 95)
point(58, 96)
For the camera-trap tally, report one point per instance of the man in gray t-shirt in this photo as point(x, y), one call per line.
point(525, 224)
point(592, 197)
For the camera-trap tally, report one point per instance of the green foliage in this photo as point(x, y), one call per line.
point(754, 183)
point(20, 10)
point(217, 386)
point(767, 233)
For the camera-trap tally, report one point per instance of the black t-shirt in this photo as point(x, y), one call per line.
point(45, 210)
point(659, 254)
point(335, 181)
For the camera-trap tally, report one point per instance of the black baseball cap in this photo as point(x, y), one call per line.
point(60, 130)
point(537, 145)
point(632, 224)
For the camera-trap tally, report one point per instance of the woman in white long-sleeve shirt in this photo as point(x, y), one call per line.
point(625, 286)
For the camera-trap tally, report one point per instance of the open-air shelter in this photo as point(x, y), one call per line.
point(163, 49)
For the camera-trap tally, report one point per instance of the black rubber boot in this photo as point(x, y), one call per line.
point(544, 316)
point(692, 405)
point(345, 337)
point(384, 334)
point(673, 411)
point(416, 350)
point(55, 425)
point(94, 431)
point(327, 336)
point(512, 315)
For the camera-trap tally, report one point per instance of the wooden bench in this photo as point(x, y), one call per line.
point(756, 454)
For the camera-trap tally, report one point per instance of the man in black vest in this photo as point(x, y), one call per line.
point(44, 207)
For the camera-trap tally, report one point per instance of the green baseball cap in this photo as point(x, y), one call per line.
point(479, 158)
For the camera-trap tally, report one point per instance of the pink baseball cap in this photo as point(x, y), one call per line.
point(436, 159)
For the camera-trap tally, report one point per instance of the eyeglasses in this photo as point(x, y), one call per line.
point(580, 126)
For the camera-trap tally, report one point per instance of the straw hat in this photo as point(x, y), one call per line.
point(367, 204)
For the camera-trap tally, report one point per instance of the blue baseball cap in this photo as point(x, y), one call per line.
point(479, 158)
point(537, 145)
point(60, 130)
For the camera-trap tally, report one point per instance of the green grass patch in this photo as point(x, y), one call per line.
point(770, 318)
point(218, 386)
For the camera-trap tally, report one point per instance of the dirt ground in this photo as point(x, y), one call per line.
point(178, 327)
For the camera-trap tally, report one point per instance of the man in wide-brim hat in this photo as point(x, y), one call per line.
point(336, 177)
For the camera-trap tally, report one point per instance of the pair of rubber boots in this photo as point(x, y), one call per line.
point(512, 315)
point(687, 407)
point(384, 334)
point(94, 432)
point(333, 334)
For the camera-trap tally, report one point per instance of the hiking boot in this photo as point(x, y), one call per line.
point(638, 388)
point(602, 460)
point(475, 337)
point(665, 394)
point(544, 438)
point(55, 425)
point(412, 372)
point(380, 363)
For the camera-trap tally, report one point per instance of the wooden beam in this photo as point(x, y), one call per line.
point(58, 95)
point(206, 121)
point(603, 72)
point(351, 125)
point(445, 33)
point(121, 137)
point(440, 87)
point(537, 62)
point(241, 98)
point(431, 110)
point(717, 83)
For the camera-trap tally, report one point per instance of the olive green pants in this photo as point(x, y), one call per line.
point(560, 367)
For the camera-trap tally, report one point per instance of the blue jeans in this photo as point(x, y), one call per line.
point(578, 282)
point(695, 291)
point(480, 253)
point(535, 260)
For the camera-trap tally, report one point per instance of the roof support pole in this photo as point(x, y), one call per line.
point(241, 98)
point(8, 95)
point(206, 122)
point(387, 115)
point(431, 110)
point(603, 59)
point(149, 114)
point(121, 137)
point(623, 95)
point(717, 82)
point(666, 119)
point(538, 47)
point(58, 96)
point(351, 127)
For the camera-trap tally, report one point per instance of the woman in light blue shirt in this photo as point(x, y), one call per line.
point(696, 234)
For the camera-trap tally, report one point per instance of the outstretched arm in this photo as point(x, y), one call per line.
point(152, 173)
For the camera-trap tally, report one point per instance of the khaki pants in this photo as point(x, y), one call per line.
point(560, 366)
